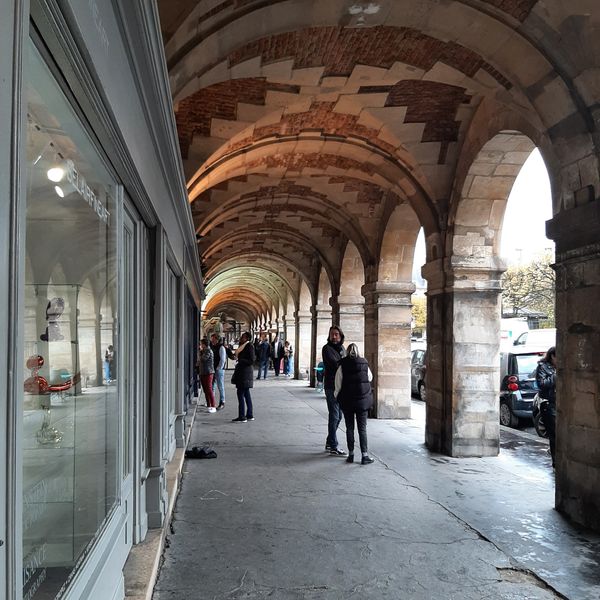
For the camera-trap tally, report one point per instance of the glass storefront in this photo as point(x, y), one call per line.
point(71, 469)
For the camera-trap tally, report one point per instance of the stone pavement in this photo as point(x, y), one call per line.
point(274, 516)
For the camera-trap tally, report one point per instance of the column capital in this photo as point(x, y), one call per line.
point(350, 300)
point(575, 230)
point(391, 293)
point(303, 314)
point(464, 274)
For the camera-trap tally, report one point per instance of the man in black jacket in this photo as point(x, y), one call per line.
point(333, 351)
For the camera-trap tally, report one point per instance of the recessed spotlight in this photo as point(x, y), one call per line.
point(55, 174)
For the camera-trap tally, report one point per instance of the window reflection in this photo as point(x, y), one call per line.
point(70, 416)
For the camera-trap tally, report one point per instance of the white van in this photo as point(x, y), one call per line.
point(544, 338)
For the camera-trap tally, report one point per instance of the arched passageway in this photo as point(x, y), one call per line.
point(318, 140)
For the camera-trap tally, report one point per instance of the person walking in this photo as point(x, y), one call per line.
point(332, 352)
point(243, 378)
point(264, 351)
point(220, 358)
point(353, 391)
point(288, 355)
point(277, 352)
point(206, 366)
point(545, 376)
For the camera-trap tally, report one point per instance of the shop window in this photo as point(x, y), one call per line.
point(70, 410)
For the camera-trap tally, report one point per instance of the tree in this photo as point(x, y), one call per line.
point(419, 313)
point(530, 288)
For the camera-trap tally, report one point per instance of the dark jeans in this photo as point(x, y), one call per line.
point(277, 366)
point(548, 413)
point(244, 403)
point(361, 423)
point(264, 364)
point(335, 416)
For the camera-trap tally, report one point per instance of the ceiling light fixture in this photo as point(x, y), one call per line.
point(55, 174)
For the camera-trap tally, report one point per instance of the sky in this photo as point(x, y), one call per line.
point(524, 229)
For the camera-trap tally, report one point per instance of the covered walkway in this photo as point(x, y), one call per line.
point(275, 517)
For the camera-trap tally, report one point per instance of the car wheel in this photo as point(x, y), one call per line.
point(506, 417)
point(422, 391)
point(538, 423)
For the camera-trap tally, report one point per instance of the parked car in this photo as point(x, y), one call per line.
point(517, 383)
point(417, 373)
point(544, 338)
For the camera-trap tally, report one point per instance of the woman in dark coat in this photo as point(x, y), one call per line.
point(353, 392)
point(243, 378)
point(545, 376)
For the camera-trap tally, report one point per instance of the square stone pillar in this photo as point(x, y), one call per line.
point(321, 324)
point(387, 346)
point(463, 361)
point(302, 366)
point(577, 233)
point(351, 311)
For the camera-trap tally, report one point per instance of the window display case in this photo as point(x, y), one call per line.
point(70, 441)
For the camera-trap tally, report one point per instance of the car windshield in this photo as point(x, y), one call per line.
point(527, 364)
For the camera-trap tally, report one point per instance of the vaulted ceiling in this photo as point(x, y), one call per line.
point(304, 124)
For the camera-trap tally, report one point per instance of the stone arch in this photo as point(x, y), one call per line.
point(388, 316)
point(350, 301)
point(467, 407)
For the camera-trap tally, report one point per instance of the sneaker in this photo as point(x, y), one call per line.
point(366, 460)
point(239, 420)
point(337, 452)
point(249, 418)
point(327, 448)
point(221, 406)
point(212, 409)
point(350, 458)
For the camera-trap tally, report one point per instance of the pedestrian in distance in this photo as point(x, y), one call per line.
point(545, 376)
point(243, 378)
point(277, 353)
point(220, 359)
point(288, 359)
point(353, 391)
point(264, 352)
point(332, 352)
point(206, 367)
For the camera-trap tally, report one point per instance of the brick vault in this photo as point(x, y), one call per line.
point(319, 137)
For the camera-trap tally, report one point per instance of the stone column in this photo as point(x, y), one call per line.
point(352, 319)
point(387, 346)
point(290, 336)
point(463, 367)
point(576, 233)
point(321, 325)
point(302, 351)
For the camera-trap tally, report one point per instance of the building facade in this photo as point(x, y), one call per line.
point(102, 293)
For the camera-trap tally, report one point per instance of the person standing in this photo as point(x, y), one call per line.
point(264, 351)
point(243, 378)
point(288, 355)
point(353, 391)
point(277, 355)
point(220, 358)
point(545, 376)
point(109, 356)
point(332, 352)
point(207, 370)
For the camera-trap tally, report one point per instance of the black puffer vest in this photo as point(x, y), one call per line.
point(356, 388)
